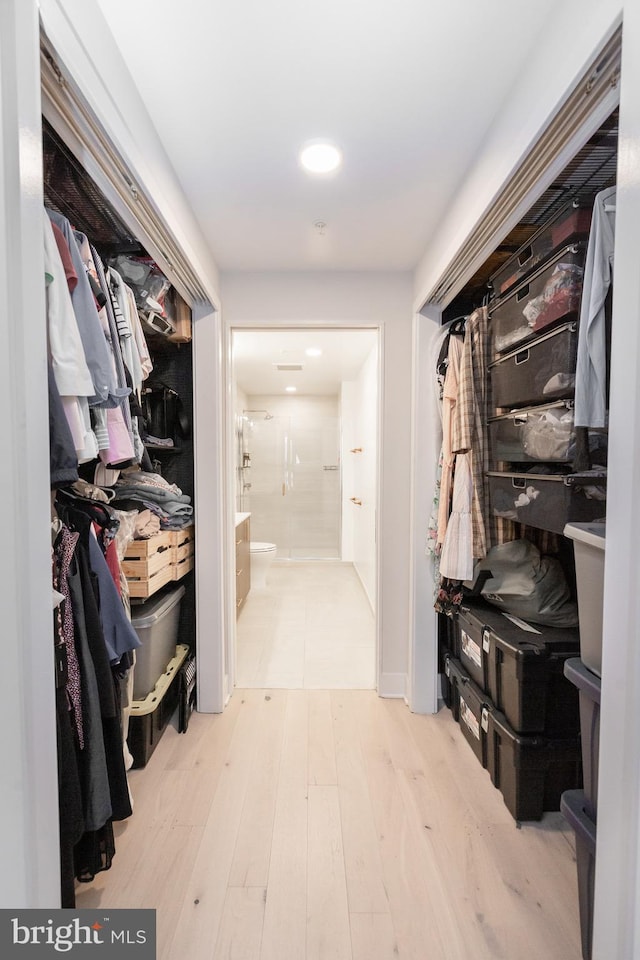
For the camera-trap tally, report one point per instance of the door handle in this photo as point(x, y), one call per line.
point(355, 500)
point(284, 489)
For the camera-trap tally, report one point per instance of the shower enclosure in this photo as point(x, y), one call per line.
point(290, 478)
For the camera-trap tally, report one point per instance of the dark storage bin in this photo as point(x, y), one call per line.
point(546, 501)
point(549, 295)
point(473, 644)
point(522, 669)
point(573, 809)
point(452, 677)
point(571, 224)
point(186, 693)
point(534, 433)
point(588, 685)
point(149, 717)
point(531, 772)
point(448, 635)
point(543, 370)
point(470, 710)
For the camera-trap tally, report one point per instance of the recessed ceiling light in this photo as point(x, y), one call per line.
point(291, 389)
point(320, 157)
point(313, 352)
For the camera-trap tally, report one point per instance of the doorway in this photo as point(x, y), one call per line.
point(305, 477)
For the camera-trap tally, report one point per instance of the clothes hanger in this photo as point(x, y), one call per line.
point(458, 326)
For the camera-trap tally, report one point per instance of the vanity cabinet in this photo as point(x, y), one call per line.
point(243, 563)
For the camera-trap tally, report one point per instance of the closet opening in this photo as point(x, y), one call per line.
point(123, 465)
point(536, 319)
point(303, 471)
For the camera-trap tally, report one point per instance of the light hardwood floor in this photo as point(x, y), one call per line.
point(312, 627)
point(333, 825)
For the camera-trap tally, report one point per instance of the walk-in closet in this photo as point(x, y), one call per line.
point(483, 800)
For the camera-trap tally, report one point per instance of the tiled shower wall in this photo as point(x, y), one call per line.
point(295, 492)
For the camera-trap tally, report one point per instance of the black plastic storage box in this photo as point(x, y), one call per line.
point(546, 501)
point(541, 371)
point(588, 685)
point(447, 637)
point(522, 669)
point(531, 772)
point(571, 224)
point(573, 809)
point(543, 433)
point(471, 705)
point(549, 295)
point(149, 717)
point(452, 678)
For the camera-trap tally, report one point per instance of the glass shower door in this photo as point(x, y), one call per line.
point(295, 485)
point(313, 487)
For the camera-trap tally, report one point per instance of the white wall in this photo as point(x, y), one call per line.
point(365, 474)
point(347, 443)
point(29, 858)
point(357, 300)
point(577, 29)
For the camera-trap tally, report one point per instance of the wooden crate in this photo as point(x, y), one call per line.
point(146, 586)
point(182, 567)
point(142, 549)
point(182, 552)
point(147, 564)
point(180, 537)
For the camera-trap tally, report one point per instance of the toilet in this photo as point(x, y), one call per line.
point(262, 555)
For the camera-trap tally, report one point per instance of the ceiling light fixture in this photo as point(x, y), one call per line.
point(291, 389)
point(319, 156)
point(313, 352)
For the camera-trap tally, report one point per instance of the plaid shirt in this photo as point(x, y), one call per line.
point(469, 423)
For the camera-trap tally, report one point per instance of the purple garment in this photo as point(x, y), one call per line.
point(62, 555)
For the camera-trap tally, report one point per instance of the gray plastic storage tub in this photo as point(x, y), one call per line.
point(572, 805)
point(588, 685)
point(156, 623)
point(588, 547)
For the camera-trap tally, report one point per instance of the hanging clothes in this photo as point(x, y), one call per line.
point(456, 557)
point(469, 419)
point(95, 347)
point(449, 401)
point(590, 408)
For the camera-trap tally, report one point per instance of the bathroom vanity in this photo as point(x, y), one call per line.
point(243, 559)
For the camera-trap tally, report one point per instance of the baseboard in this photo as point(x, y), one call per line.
point(393, 686)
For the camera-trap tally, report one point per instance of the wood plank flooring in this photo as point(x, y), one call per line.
point(311, 627)
point(332, 825)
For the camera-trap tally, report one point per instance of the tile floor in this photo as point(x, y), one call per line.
point(312, 628)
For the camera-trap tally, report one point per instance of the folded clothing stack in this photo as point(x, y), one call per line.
point(138, 490)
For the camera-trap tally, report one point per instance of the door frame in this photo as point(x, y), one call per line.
point(229, 474)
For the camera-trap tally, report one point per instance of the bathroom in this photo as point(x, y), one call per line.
point(306, 480)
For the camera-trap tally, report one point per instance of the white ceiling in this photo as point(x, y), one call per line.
point(407, 89)
point(256, 352)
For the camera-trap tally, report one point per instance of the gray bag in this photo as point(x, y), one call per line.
point(528, 585)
